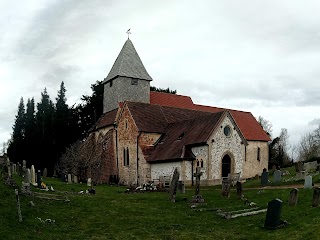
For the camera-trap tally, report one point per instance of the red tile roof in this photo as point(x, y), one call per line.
point(170, 100)
point(106, 119)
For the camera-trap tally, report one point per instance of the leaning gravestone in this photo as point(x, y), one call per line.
point(174, 185)
point(226, 184)
point(33, 175)
point(273, 214)
point(308, 182)
point(293, 198)
point(264, 177)
point(69, 178)
point(239, 189)
point(316, 197)
point(277, 176)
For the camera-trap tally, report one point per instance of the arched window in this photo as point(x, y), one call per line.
point(128, 156)
point(201, 163)
point(258, 154)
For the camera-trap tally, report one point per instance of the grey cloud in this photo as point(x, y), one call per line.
point(314, 122)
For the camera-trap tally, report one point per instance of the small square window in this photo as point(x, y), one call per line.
point(134, 81)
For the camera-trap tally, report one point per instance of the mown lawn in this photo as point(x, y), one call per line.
point(112, 214)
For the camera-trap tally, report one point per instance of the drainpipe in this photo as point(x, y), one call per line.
point(192, 173)
point(117, 158)
point(138, 157)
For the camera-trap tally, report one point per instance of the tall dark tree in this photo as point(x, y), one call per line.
point(88, 112)
point(166, 90)
point(30, 128)
point(61, 122)
point(45, 133)
point(16, 146)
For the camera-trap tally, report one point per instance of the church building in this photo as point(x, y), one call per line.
point(146, 134)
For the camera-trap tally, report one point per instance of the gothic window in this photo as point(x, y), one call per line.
point(258, 154)
point(126, 157)
point(110, 83)
point(126, 123)
point(134, 81)
point(201, 163)
point(198, 163)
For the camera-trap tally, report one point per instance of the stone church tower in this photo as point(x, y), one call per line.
point(127, 80)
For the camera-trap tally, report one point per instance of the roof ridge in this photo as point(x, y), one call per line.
point(229, 109)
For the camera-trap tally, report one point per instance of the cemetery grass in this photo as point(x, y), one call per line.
point(113, 214)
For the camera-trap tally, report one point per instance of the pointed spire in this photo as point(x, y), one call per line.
point(128, 64)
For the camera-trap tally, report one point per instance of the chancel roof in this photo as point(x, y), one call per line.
point(128, 64)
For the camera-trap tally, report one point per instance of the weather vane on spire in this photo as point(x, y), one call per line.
point(128, 32)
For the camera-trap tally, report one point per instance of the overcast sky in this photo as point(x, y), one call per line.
point(258, 56)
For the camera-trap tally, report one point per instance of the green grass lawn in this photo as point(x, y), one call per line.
point(112, 214)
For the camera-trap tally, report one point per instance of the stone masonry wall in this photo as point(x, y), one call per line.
point(201, 154)
point(252, 166)
point(223, 145)
point(122, 90)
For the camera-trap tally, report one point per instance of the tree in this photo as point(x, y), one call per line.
point(309, 147)
point(266, 125)
point(30, 135)
point(17, 146)
point(45, 156)
point(166, 90)
point(278, 149)
point(62, 137)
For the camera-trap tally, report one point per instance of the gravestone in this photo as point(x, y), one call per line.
point(18, 205)
point(39, 178)
point(316, 197)
point(293, 198)
point(197, 175)
point(273, 214)
point(277, 176)
point(239, 189)
point(14, 168)
point(264, 177)
point(174, 185)
point(26, 189)
point(69, 178)
point(27, 177)
point(226, 184)
point(19, 169)
point(24, 167)
point(308, 182)
point(45, 173)
point(181, 187)
point(75, 179)
point(33, 175)
point(89, 182)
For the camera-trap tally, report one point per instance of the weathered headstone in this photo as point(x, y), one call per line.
point(75, 179)
point(174, 185)
point(39, 178)
point(33, 175)
point(316, 197)
point(24, 167)
point(239, 189)
point(18, 205)
point(27, 177)
point(264, 177)
point(273, 214)
point(277, 176)
point(25, 188)
point(226, 184)
point(293, 198)
point(19, 169)
point(308, 182)
point(197, 175)
point(14, 168)
point(89, 182)
point(69, 178)
point(45, 173)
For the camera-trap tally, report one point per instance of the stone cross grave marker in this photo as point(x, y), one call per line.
point(197, 175)
point(308, 182)
point(33, 175)
point(174, 185)
point(45, 173)
point(277, 176)
point(39, 178)
point(273, 214)
point(293, 198)
point(226, 184)
point(316, 197)
point(264, 177)
point(239, 189)
point(69, 178)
